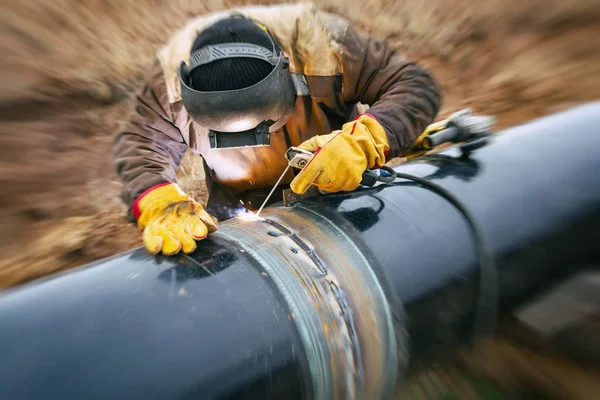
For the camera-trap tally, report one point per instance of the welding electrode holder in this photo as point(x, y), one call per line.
point(298, 159)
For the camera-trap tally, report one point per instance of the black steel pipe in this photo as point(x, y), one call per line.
point(330, 298)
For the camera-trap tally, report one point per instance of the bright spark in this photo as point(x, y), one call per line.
point(246, 215)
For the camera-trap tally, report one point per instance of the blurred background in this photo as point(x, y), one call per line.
point(69, 69)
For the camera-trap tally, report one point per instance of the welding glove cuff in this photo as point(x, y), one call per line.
point(340, 158)
point(170, 220)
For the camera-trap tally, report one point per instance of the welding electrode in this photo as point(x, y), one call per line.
point(272, 190)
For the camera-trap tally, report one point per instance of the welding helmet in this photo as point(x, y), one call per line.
point(245, 116)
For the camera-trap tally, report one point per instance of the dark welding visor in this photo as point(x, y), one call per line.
point(249, 112)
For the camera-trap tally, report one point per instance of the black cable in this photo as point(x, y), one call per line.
point(387, 179)
point(487, 307)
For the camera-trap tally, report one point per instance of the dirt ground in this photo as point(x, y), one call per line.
point(69, 68)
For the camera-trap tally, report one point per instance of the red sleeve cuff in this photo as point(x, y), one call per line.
point(135, 208)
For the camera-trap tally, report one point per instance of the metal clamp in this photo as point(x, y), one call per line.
point(298, 158)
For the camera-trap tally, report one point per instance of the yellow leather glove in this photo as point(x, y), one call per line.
point(171, 221)
point(341, 157)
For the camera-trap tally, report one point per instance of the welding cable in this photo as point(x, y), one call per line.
point(487, 307)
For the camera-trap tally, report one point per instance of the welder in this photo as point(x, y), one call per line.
point(239, 88)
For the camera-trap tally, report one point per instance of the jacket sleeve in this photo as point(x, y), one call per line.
point(402, 95)
point(149, 150)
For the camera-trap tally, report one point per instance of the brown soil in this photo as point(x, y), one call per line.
point(69, 67)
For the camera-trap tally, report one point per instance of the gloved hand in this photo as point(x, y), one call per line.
point(171, 221)
point(341, 157)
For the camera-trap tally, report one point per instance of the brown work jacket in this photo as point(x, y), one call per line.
point(342, 68)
